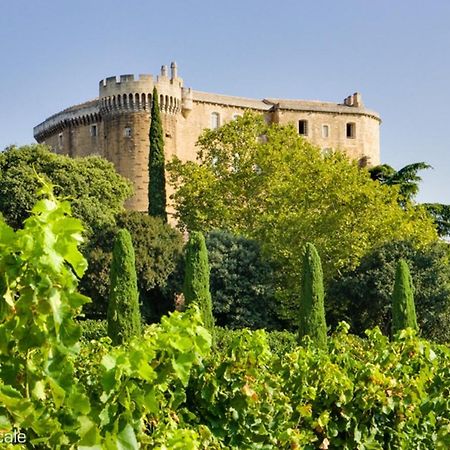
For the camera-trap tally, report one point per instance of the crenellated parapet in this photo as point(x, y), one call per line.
point(84, 114)
point(128, 93)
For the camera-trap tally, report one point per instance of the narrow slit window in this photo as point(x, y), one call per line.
point(325, 131)
point(127, 132)
point(94, 130)
point(303, 127)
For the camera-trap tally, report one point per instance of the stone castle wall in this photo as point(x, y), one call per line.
point(116, 124)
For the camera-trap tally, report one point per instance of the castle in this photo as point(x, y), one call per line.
point(116, 124)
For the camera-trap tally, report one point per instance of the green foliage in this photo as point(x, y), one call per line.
point(441, 216)
point(156, 164)
point(260, 181)
point(242, 286)
point(280, 342)
point(137, 391)
point(196, 278)
point(39, 267)
point(363, 296)
point(159, 263)
point(116, 396)
point(403, 308)
point(165, 390)
point(361, 393)
point(93, 329)
point(124, 318)
point(312, 312)
point(239, 397)
point(96, 191)
point(406, 179)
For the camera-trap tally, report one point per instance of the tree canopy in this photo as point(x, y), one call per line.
point(95, 190)
point(362, 297)
point(266, 182)
point(407, 178)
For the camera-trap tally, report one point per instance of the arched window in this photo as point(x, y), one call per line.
point(215, 120)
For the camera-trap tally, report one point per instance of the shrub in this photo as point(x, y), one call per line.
point(363, 297)
point(242, 287)
point(403, 309)
point(124, 318)
point(159, 265)
point(312, 313)
point(280, 342)
point(93, 330)
point(196, 279)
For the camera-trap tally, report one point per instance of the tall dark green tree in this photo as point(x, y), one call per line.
point(124, 319)
point(156, 164)
point(406, 178)
point(312, 312)
point(403, 308)
point(196, 278)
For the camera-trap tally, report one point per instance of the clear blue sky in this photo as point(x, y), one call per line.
point(396, 53)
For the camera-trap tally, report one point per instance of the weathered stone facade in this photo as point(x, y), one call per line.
point(116, 124)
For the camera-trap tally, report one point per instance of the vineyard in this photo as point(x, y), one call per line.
point(183, 386)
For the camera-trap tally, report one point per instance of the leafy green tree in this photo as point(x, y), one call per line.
point(242, 287)
point(403, 308)
point(262, 181)
point(406, 178)
point(156, 164)
point(408, 182)
point(312, 313)
point(124, 319)
point(196, 279)
point(362, 297)
point(441, 216)
point(159, 265)
point(96, 191)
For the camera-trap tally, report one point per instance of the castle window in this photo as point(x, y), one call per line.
point(351, 130)
point(127, 132)
point(325, 131)
point(94, 130)
point(60, 139)
point(215, 120)
point(303, 127)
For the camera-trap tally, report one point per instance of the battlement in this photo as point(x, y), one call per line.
point(125, 84)
point(130, 93)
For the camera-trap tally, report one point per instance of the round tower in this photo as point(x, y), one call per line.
point(125, 105)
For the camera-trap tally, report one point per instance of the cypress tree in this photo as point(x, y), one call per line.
point(156, 164)
point(196, 278)
point(312, 312)
point(403, 308)
point(124, 319)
